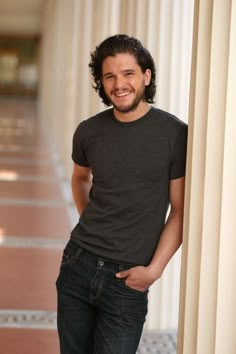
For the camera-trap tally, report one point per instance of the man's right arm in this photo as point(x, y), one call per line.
point(81, 183)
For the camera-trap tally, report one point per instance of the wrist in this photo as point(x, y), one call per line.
point(154, 271)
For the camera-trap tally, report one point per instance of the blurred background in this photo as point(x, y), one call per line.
point(19, 44)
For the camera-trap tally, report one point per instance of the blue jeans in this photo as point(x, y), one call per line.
point(97, 313)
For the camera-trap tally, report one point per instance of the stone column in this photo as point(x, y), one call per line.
point(105, 22)
point(208, 307)
point(128, 13)
point(169, 29)
point(46, 63)
point(85, 90)
point(69, 112)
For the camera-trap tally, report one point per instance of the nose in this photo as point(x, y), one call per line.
point(119, 82)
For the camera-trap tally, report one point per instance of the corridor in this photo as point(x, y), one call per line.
point(34, 227)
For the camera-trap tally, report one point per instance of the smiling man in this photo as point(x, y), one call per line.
point(124, 84)
point(129, 166)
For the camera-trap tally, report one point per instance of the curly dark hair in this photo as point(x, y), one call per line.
point(121, 43)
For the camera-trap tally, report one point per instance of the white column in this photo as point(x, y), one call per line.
point(128, 14)
point(164, 59)
point(70, 90)
point(208, 311)
point(180, 57)
point(140, 17)
point(85, 90)
point(46, 64)
point(58, 67)
point(153, 29)
point(106, 22)
point(226, 287)
point(169, 28)
point(114, 16)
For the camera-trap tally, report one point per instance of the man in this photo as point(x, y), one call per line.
point(129, 167)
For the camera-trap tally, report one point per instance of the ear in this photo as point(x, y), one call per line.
point(147, 77)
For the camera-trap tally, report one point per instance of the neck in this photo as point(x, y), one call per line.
point(139, 112)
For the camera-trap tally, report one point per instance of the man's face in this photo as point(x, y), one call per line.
point(124, 82)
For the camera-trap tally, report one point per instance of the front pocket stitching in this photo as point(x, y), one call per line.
point(134, 290)
point(70, 256)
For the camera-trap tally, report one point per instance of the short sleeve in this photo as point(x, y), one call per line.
point(178, 159)
point(78, 147)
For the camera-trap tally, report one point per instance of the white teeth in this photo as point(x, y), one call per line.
point(122, 94)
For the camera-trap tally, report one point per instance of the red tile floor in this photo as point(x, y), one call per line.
point(34, 227)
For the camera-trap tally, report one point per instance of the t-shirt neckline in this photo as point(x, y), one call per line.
point(133, 122)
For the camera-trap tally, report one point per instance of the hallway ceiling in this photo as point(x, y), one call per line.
point(12, 7)
point(21, 16)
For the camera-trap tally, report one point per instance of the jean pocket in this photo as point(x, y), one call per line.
point(66, 257)
point(70, 253)
point(142, 292)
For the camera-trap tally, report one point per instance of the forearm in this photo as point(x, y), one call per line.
point(141, 277)
point(80, 191)
point(170, 241)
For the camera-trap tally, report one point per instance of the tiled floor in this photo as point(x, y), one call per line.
point(34, 227)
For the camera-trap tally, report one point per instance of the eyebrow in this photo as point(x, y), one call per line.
point(107, 74)
point(123, 72)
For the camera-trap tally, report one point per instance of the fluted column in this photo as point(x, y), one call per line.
point(58, 72)
point(53, 69)
point(114, 16)
point(128, 13)
point(105, 22)
point(169, 29)
point(226, 287)
point(208, 310)
point(85, 90)
point(153, 29)
point(46, 64)
point(71, 85)
point(140, 17)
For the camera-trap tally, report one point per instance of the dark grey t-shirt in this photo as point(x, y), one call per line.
point(132, 164)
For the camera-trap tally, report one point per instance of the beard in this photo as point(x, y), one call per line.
point(126, 108)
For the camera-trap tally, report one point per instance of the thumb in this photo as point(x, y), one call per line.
point(123, 274)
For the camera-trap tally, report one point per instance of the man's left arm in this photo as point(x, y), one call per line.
point(141, 277)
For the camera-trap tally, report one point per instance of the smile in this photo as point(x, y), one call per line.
point(121, 94)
